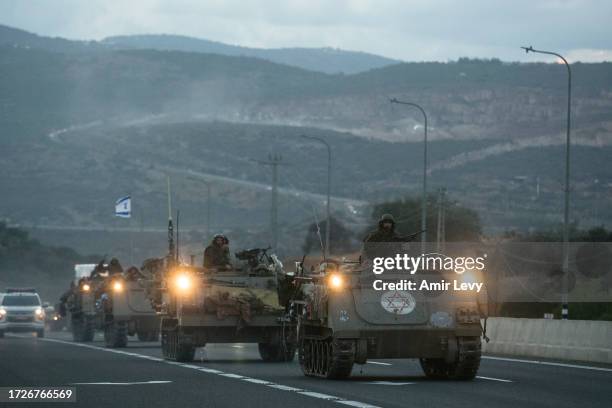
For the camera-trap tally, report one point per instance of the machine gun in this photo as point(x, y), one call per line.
point(411, 237)
point(255, 256)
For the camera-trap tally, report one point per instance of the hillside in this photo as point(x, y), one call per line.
point(25, 262)
point(45, 91)
point(327, 60)
point(124, 119)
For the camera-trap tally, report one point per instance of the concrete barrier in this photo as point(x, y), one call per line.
point(580, 340)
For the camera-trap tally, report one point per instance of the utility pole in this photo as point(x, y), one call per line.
point(274, 160)
point(441, 230)
point(207, 230)
point(328, 210)
point(565, 264)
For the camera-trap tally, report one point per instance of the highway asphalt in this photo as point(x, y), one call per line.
point(232, 375)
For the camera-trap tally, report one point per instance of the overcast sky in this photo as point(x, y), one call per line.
point(410, 30)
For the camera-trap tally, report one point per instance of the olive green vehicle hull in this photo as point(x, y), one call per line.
point(226, 309)
point(339, 328)
point(118, 315)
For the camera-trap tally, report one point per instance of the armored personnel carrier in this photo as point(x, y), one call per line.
point(221, 305)
point(114, 303)
point(343, 320)
point(126, 311)
point(79, 301)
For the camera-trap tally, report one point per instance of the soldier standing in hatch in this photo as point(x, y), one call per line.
point(217, 255)
point(385, 232)
point(114, 267)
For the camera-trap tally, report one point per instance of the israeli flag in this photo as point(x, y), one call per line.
point(123, 207)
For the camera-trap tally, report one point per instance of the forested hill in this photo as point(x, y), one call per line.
point(25, 262)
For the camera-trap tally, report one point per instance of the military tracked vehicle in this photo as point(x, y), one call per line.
point(126, 311)
point(112, 302)
point(342, 320)
point(80, 302)
point(239, 304)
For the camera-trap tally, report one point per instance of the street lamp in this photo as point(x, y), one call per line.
point(564, 306)
point(424, 198)
point(328, 223)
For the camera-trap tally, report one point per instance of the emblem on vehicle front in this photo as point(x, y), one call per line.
point(344, 316)
point(398, 302)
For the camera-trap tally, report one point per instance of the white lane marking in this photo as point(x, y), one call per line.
point(548, 363)
point(230, 375)
point(122, 383)
point(493, 379)
point(208, 370)
point(379, 363)
point(281, 387)
point(284, 387)
point(319, 395)
point(195, 367)
point(389, 383)
point(256, 381)
point(151, 358)
point(356, 404)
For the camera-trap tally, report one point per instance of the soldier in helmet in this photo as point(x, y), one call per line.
point(217, 255)
point(385, 232)
point(114, 267)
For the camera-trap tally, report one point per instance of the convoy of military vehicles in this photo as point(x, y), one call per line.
point(330, 313)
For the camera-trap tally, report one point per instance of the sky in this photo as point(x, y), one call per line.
point(409, 30)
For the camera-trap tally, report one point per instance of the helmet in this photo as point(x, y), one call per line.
point(223, 237)
point(386, 218)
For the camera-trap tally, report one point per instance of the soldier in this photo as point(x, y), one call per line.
point(99, 270)
point(217, 255)
point(385, 232)
point(114, 267)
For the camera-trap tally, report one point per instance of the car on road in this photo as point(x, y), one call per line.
point(21, 311)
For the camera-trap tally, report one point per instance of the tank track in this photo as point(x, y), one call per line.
point(464, 367)
point(115, 334)
point(83, 329)
point(326, 358)
point(174, 346)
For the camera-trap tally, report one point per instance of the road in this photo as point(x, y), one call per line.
point(232, 375)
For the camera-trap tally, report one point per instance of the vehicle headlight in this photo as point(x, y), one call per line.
point(335, 281)
point(2, 313)
point(86, 287)
point(40, 313)
point(55, 317)
point(117, 286)
point(183, 283)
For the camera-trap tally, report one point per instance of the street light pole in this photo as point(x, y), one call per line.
point(207, 211)
point(424, 198)
point(564, 295)
point(328, 222)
